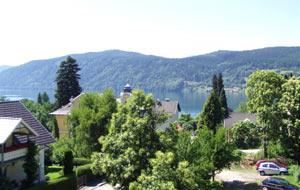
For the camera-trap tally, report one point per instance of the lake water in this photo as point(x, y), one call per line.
point(190, 102)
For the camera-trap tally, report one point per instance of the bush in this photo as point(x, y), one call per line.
point(68, 163)
point(295, 171)
point(275, 149)
point(81, 161)
point(84, 170)
point(65, 183)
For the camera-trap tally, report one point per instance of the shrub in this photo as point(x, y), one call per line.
point(31, 165)
point(68, 163)
point(275, 149)
point(81, 161)
point(295, 171)
point(6, 184)
point(83, 170)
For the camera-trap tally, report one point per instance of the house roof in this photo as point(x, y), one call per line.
point(66, 109)
point(15, 109)
point(235, 117)
point(10, 125)
point(168, 106)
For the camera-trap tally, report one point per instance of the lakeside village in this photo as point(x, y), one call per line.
point(137, 142)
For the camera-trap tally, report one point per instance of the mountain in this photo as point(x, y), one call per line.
point(4, 67)
point(114, 68)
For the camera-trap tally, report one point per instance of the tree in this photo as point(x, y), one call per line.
point(45, 98)
point(244, 135)
point(131, 141)
point(220, 84)
point(30, 165)
point(223, 101)
point(264, 90)
point(290, 107)
point(166, 173)
point(68, 162)
point(187, 122)
point(91, 120)
point(67, 81)
point(215, 84)
point(39, 99)
point(59, 148)
point(212, 114)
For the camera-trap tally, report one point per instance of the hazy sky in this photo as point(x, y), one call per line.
point(40, 29)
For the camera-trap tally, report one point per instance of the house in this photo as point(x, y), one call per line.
point(171, 108)
point(235, 117)
point(17, 127)
point(61, 115)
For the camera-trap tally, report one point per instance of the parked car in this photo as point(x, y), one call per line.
point(278, 184)
point(271, 168)
point(278, 162)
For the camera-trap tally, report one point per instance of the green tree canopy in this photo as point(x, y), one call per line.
point(131, 141)
point(91, 120)
point(67, 81)
point(264, 90)
point(290, 106)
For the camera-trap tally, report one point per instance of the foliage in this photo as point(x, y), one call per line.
point(242, 108)
point(187, 122)
point(218, 88)
point(131, 141)
point(290, 107)
point(212, 114)
point(166, 173)
point(294, 170)
point(275, 149)
point(90, 121)
point(111, 68)
point(223, 101)
point(6, 184)
point(31, 165)
point(60, 147)
point(81, 161)
point(67, 81)
point(245, 135)
point(68, 163)
point(83, 170)
point(264, 90)
point(66, 182)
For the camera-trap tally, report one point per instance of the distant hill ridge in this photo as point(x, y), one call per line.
point(114, 68)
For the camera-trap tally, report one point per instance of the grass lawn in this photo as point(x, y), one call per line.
point(291, 180)
point(54, 172)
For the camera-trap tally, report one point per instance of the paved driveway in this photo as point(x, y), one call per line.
point(96, 185)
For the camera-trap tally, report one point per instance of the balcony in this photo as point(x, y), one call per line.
point(14, 152)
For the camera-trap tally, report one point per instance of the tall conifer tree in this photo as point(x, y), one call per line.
point(67, 80)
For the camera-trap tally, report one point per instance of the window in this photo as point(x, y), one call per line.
point(265, 165)
point(273, 166)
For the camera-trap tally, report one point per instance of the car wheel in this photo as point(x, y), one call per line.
point(265, 188)
point(262, 173)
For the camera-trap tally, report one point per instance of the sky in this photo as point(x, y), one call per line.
point(42, 29)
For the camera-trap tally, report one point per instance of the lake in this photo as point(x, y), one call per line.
point(190, 102)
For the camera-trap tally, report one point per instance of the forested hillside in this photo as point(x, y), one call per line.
point(114, 68)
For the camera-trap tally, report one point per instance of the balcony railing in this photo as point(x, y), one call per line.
point(14, 152)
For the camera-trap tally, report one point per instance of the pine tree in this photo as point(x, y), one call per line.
point(67, 80)
point(212, 114)
point(223, 101)
point(45, 98)
point(220, 84)
point(39, 99)
point(215, 84)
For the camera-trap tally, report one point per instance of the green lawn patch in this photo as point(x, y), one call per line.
point(54, 172)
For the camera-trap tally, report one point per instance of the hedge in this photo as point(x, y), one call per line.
point(84, 170)
point(81, 161)
point(67, 183)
